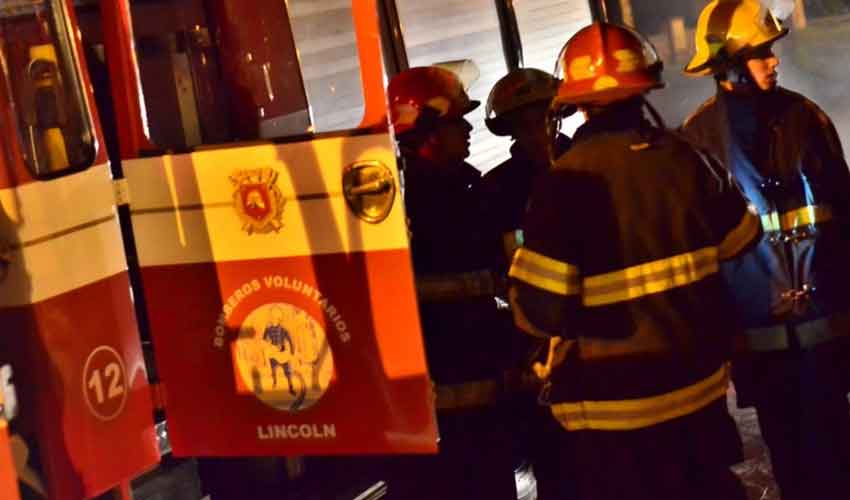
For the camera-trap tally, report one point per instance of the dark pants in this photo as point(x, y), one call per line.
point(474, 462)
point(543, 443)
point(684, 459)
point(801, 401)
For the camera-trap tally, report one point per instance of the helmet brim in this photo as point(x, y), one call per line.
point(607, 96)
point(498, 126)
point(708, 67)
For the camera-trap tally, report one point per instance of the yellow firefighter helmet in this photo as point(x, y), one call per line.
point(728, 29)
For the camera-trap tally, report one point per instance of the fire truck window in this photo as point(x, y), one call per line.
point(230, 70)
point(813, 58)
point(327, 50)
point(41, 78)
point(448, 31)
point(545, 26)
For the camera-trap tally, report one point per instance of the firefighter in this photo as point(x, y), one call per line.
point(519, 106)
point(277, 335)
point(467, 340)
point(623, 239)
point(790, 290)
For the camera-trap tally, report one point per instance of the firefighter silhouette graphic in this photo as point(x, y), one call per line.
point(282, 339)
point(254, 201)
point(278, 336)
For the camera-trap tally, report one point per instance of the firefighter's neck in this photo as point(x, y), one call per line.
point(535, 147)
point(739, 82)
point(435, 154)
point(626, 110)
point(741, 89)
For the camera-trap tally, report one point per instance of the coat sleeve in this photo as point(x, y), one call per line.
point(826, 145)
point(736, 228)
point(545, 271)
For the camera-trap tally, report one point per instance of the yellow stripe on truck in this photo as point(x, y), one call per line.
point(65, 235)
point(186, 214)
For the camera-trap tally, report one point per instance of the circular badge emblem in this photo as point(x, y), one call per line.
point(282, 356)
point(105, 383)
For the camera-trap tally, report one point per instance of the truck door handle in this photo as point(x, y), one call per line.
point(374, 187)
point(369, 188)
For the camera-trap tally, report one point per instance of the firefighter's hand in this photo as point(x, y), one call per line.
point(558, 349)
point(541, 371)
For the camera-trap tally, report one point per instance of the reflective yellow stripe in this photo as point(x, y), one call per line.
point(650, 278)
point(632, 414)
point(804, 216)
point(738, 238)
point(545, 273)
point(467, 395)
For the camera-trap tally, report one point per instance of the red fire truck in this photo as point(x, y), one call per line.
point(267, 263)
point(201, 226)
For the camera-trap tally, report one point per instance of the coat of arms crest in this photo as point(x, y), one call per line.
point(258, 200)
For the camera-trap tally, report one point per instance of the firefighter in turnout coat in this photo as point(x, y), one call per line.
point(791, 289)
point(467, 339)
point(520, 106)
point(623, 242)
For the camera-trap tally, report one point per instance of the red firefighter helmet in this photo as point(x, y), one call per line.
point(426, 92)
point(605, 62)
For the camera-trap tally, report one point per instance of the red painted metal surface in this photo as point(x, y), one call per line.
point(117, 29)
point(83, 387)
point(8, 478)
point(368, 33)
point(259, 62)
point(378, 399)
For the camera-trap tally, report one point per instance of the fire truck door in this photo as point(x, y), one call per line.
point(277, 276)
point(68, 325)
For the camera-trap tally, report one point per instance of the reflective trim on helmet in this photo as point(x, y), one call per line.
point(431, 92)
point(605, 63)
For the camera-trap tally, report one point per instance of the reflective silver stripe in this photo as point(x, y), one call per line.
point(468, 394)
point(455, 286)
point(809, 334)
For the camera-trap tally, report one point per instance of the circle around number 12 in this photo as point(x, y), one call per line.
point(105, 383)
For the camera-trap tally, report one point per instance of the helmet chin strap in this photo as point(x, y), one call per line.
point(656, 116)
point(738, 77)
